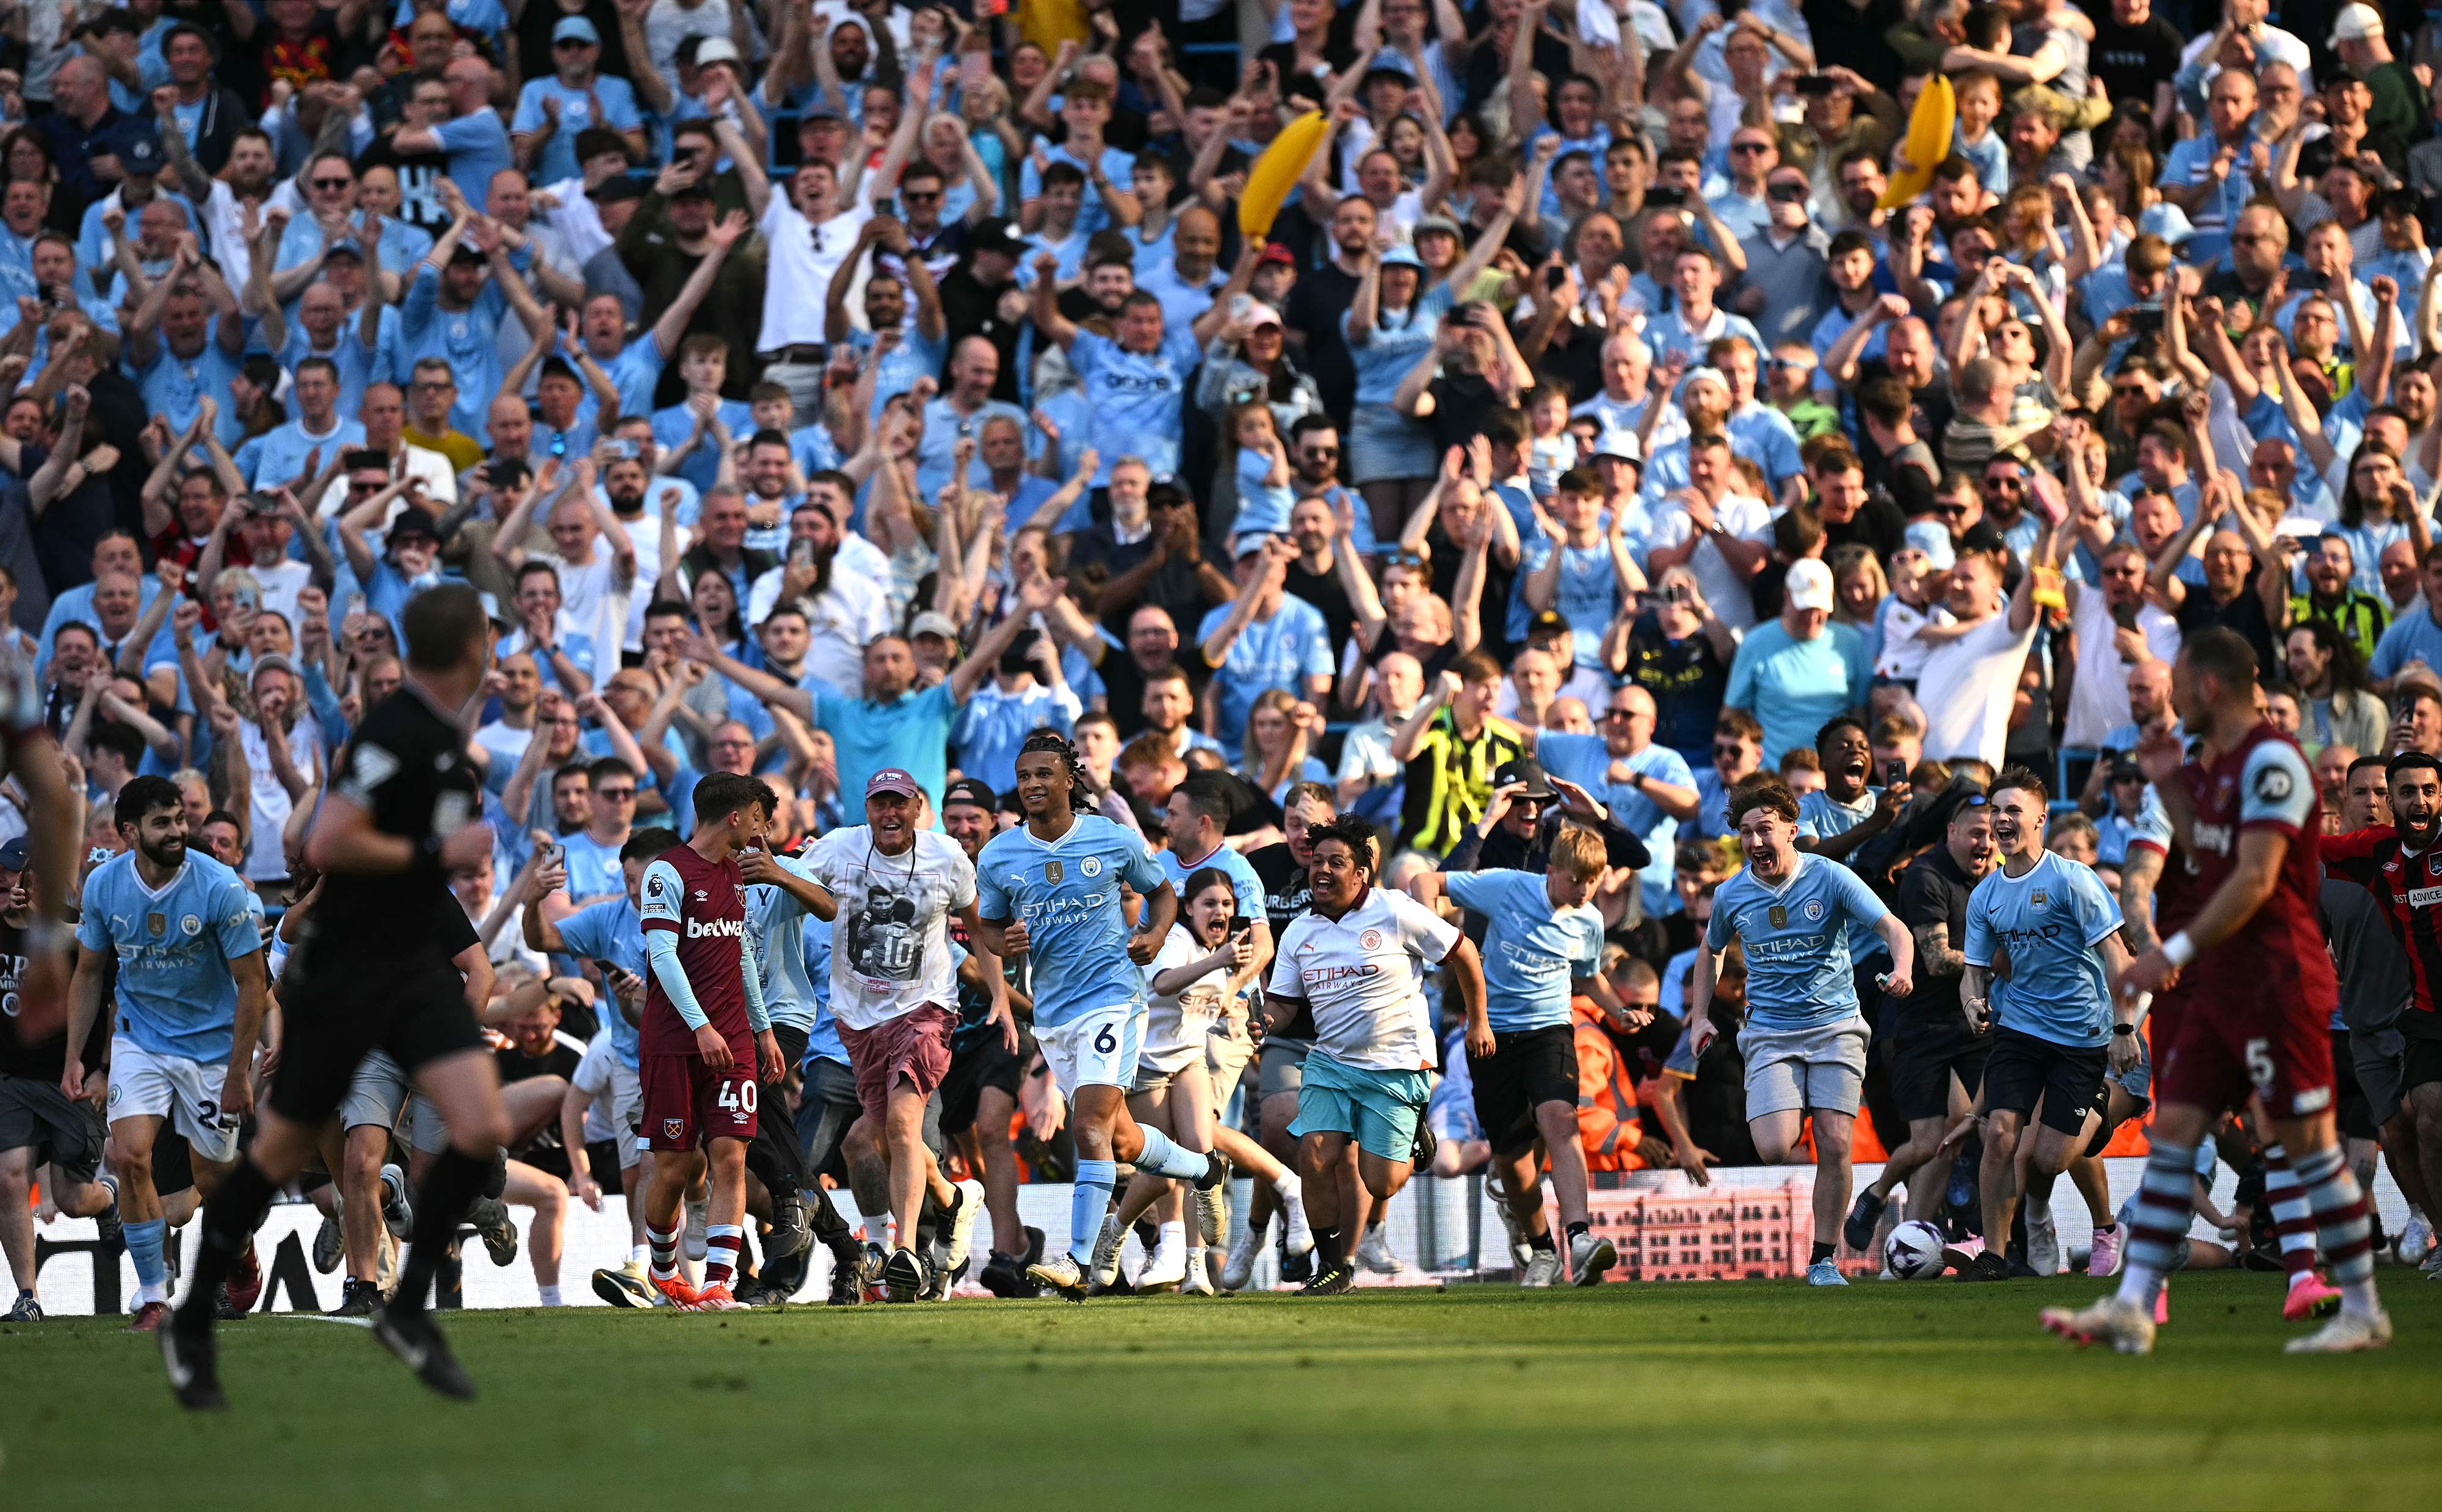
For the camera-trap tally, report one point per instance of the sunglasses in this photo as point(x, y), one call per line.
point(1750, 147)
point(1950, 511)
point(333, 183)
point(1720, 751)
point(1627, 714)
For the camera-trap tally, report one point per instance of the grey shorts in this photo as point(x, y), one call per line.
point(1282, 1068)
point(2378, 1057)
point(377, 1094)
point(1227, 1050)
point(428, 1133)
point(35, 1114)
point(1820, 1069)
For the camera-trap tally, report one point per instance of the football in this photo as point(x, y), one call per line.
point(1914, 1250)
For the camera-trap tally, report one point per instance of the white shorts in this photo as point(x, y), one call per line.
point(377, 1094)
point(1098, 1048)
point(184, 1092)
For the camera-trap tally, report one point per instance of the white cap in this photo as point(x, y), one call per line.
point(1809, 584)
point(2357, 22)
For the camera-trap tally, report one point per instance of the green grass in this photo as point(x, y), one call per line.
point(1750, 1394)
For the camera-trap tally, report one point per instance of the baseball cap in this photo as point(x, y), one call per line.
point(2356, 23)
point(1528, 771)
point(616, 189)
point(823, 109)
point(1252, 543)
point(1705, 375)
point(576, 28)
point(1549, 621)
point(1275, 252)
point(138, 149)
point(1809, 584)
point(1403, 256)
point(1262, 313)
point(13, 855)
point(1981, 536)
point(933, 622)
point(892, 779)
point(1929, 537)
point(713, 51)
point(270, 662)
point(1621, 443)
point(413, 522)
point(997, 235)
point(970, 790)
point(2165, 220)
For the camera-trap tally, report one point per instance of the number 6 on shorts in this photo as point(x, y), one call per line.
point(1105, 1042)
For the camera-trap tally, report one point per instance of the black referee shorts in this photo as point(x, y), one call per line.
point(1525, 1069)
point(2023, 1068)
point(1925, 1049)
point(335, 1012)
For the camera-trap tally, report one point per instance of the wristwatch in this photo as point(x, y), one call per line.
point(2124, 1028)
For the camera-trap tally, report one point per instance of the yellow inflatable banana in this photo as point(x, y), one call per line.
point(1277, 171)
point(1927, 144)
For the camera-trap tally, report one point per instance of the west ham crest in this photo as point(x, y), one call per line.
point(674, 1128)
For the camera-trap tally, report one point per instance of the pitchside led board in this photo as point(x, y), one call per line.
point(1751, 1223)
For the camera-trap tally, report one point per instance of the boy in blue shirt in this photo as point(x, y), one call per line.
point(1804, 1040)
point(2043, 946)
point(1542, 944)
point(188, 1003)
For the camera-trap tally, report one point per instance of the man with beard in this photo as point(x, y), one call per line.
point(1321, 296)
point(1907, 356)
point(1151, 651)
point(188, 1004)
point(843, 604)
point(2330, 567)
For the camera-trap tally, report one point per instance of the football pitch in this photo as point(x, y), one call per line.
point(1721, 1394)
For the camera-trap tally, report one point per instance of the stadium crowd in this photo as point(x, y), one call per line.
point(840, 394)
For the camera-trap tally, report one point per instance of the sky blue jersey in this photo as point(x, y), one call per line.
point(1533, 952)
point(1820, 816)
point(1243, 880)
point(610, 931)
point(176, 994)
point(1799, 974)
point(1066, 891)
point(2050, 921)
point(775, 932)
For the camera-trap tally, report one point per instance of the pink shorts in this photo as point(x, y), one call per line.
point(914, 1045)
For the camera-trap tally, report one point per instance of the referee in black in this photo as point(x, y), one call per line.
point(402, 812)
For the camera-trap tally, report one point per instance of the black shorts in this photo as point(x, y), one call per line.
point(985, 1063)
point(36, 1115)
point(2420, 1060)
point(338, 1011)
point(174, 1161)
point(2066, 1077)
point(1925, 1048)
point(2356, 1114)
point(1525, 1069)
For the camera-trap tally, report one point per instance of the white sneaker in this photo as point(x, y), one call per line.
point(2126, 1327)
point(1239, 1268)
point(1374, 1253)
point(2043, 1248)
point(1542, 1268)
point(1199, 1276)
point(2416, 1238)
point(1105, 1268)
point(696, 1217)
point(1498, 1191)
point(1060, 1273)
point(961, 1238)
point(1166, 1269)
point(1300, 1237)
point(2345, 1334)
point(1590, 1255)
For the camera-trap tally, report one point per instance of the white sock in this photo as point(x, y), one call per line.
point(2039, 1210)
point(640, 1255)
point(549, 1296)
point(1174, 1235)
point(1285, 1184)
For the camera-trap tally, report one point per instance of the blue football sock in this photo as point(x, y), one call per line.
point(144, 1247)
point(1164, 1157)
point(1088, 1200)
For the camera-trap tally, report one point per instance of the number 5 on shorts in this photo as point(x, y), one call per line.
point(2259, 1063)
point(1105, 1043)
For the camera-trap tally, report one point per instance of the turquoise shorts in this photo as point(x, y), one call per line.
point(1381, 1108)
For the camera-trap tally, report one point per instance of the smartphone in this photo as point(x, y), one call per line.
point(886, 205)
point(2144, 322)
point(1667, 195)
point(1241, 927)
point(1894, 773)
point(550, 853)
point(1241, 306)
point(1554, 277)
point(624, 451)
point(249, 599)
point(1814, 85)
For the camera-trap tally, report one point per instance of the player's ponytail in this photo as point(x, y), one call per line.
point(1081, 799)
